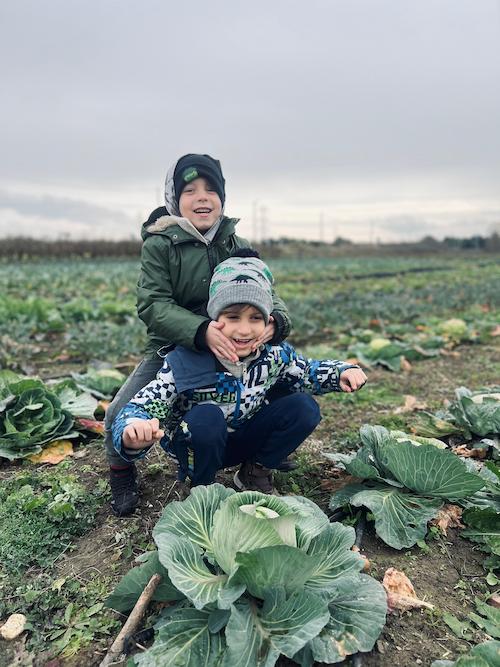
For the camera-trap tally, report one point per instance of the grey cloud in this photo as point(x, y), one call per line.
point(61, 208)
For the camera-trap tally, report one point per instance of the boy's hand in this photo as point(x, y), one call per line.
point(352, 379)
point(267, 335)
point(220, 344)
point(141, 433)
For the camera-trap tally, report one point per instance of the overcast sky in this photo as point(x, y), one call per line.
point(368, 119)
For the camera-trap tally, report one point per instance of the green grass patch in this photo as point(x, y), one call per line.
point(304, 480)
point(372, 394)
point(42, 512)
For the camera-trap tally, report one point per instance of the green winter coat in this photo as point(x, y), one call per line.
point(176, 268)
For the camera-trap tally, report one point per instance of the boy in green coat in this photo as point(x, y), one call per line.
point(183, 243)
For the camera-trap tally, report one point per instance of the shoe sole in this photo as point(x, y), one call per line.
point(238, 483)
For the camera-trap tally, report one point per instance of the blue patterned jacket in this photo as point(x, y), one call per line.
point(190, 378)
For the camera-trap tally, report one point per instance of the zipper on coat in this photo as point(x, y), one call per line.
point(237, 409)
point(210, 258)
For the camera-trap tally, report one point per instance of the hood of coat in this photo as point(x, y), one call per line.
point(160, 222)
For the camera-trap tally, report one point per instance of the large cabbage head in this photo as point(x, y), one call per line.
point(30, 416)
point(259, 577)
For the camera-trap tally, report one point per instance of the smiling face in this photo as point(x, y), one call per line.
point(243, 324)
point(200, 204)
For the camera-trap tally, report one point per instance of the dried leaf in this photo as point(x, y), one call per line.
point(54, 453)
point(13, 627)
point(448, 517)
point(400, 592)
point(495, 331)
point(405, 365)
point(475, 453)
point(91, 425)
point(411, 404)
point(449, 353)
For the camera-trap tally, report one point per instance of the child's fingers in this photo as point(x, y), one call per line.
point(217, 325)
point(142, 433)
point(220, 344)
point(132, 437)
point(345, 386)
point(266, 336)
point(156, 432)
point(352, 379)
point(223, 347)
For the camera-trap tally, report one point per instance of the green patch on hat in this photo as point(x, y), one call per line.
point(190, 174)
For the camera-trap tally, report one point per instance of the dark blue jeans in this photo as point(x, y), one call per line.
point(273, 433)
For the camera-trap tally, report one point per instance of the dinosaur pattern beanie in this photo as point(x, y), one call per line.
point(241, 280)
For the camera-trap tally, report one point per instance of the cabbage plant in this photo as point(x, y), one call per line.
point(31, 415)
point(100, 382)
point(389, 353)
point(470, 414)
point(405, 483)
point(252, 577)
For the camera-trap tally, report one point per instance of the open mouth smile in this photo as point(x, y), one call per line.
point(202, 211)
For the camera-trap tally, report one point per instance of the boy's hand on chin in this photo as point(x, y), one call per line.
point(142, 433)
point(220, 344)
point(352, 379)
point(266, 336)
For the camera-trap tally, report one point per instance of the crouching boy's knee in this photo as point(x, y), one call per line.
point(306, 410)
point(206, 424)
point(312, 414)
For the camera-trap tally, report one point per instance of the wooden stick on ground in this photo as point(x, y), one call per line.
point(132, 622)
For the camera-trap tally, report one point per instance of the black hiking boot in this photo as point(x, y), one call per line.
point(123, 482)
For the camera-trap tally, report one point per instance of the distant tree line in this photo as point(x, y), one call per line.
point(28, 248)
point(19, 248)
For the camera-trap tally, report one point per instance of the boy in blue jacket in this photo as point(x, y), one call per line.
point(209, 413)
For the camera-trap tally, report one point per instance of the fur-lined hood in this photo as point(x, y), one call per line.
point(160, 222)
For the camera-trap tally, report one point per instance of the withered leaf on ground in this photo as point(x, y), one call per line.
point(54, 453)
point(400, 592)
point(92, 425)
point(411, 403)
point(475, 452)
point(448, 517)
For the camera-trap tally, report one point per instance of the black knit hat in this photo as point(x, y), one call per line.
point(193, 166)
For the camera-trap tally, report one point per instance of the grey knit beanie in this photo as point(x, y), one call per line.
point(241, 280)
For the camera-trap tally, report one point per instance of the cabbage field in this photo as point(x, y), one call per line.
point(383, 548)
